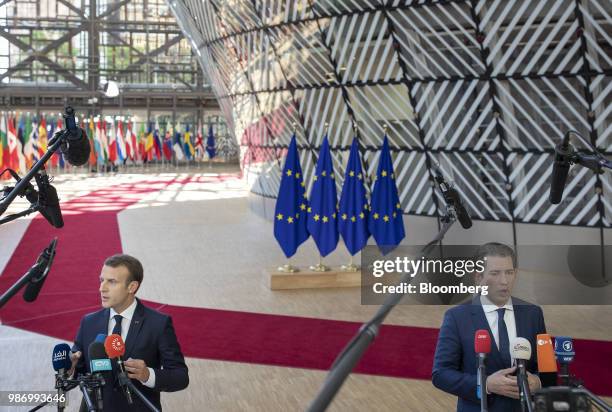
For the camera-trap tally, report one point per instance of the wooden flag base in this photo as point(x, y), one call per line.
point(335, 277)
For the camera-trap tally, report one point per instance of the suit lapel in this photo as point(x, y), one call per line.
point(134, 329)
point(101, 323)
point(480, 322)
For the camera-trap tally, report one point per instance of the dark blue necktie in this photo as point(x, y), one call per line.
point(117, 328)
point(504, 341)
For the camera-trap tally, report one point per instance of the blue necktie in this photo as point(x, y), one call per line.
point(504, 341)
point(117, 328)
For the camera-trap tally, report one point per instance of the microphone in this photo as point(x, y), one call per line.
point(48, 200)
point(115, 349)
point(76, 146)
point(61, 364)
point(452, 198)
point(547, 365)
point(561, 166)
point(521, 351)
point(482, 347)
point(564, 351)
point(100, 338)
point(39, 271)
point(100, 365)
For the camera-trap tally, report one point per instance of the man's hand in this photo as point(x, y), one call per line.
point(74, 358)
point(534, 382)
point(503, 384)
point(137, 369)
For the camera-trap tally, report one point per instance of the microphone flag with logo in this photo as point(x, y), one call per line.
point(386, 216)
point(291, 204)
point(322, 222)
point(353, 210)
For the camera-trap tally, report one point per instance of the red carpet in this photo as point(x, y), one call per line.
point(91, 234)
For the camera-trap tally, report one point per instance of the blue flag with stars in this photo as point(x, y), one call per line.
point(386, 215)
point(322, 223)
point(353, 212)
point(291, 204)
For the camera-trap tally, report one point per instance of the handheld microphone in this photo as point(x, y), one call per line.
point(76, 147)
point(48, 200)
point(482, 347)
point(561, 166)
point(564, 351)
point(547, 365)
point(100, 365)
point(521, 351)
point(61, 364)
point(39, 271)
point(452, 198)
point(115, 349)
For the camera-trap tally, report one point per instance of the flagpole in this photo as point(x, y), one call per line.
point(351, 267)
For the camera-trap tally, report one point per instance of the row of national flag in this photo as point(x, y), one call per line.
point(320, 215)
point(23, 141)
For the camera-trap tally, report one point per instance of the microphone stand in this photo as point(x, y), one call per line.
point(482, 382)
point(524, 389)
point(56, 141)
point(30, 275)
point(125, 381)
point(354, 350)
point(83, 387)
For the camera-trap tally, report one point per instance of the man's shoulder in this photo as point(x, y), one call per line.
point(153, 314)
point(526, 306)
point(94, 315)
point(460, 310)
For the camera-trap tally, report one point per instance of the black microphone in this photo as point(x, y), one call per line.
point(61, 364)
point(76, 146)
point(452, 198)
point(100, 366)
point(561, 166)
point(48, 200)
point(39, 271)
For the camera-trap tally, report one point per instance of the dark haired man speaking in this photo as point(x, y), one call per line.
point(505, 318)
point(154, 359)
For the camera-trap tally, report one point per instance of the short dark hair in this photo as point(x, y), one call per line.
point(495, 249)
point(132, 264)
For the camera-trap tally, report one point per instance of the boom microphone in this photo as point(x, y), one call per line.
point(115, 349)
point(452, 198)
point(76, 146)
point(547, 365)
point(482, 347)
point(521, 351)
point(38, 273)
point(561, 166)
point(48, 200)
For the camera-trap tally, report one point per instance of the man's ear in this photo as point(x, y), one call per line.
point(133, 286)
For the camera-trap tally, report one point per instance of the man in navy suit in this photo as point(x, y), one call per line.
point(154, 359)
point(505, 317)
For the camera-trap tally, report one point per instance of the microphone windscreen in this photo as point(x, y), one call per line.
point(51, 211)
point(564, 349)
point(61, 357)
point(114, 346)
point(559, 177)
point(520, 349)
point(100, 338)
point(77, 148)
point(96, 350)
point(482, 341)
point(546, 355)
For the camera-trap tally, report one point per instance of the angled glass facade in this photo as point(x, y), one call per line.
point(485, 88)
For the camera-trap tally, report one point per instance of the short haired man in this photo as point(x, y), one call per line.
point(154, 359)
point(505, 317)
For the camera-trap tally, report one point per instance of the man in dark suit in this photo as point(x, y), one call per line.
point(505, 317)
point(154, 359)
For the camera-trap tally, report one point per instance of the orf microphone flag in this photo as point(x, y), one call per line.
point(547, 365)
point(482, 347)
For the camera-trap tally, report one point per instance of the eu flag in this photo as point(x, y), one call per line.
point(322, 223)
point(353, 212)
point(210, 143)
point(386, 216)
point(291, 204)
